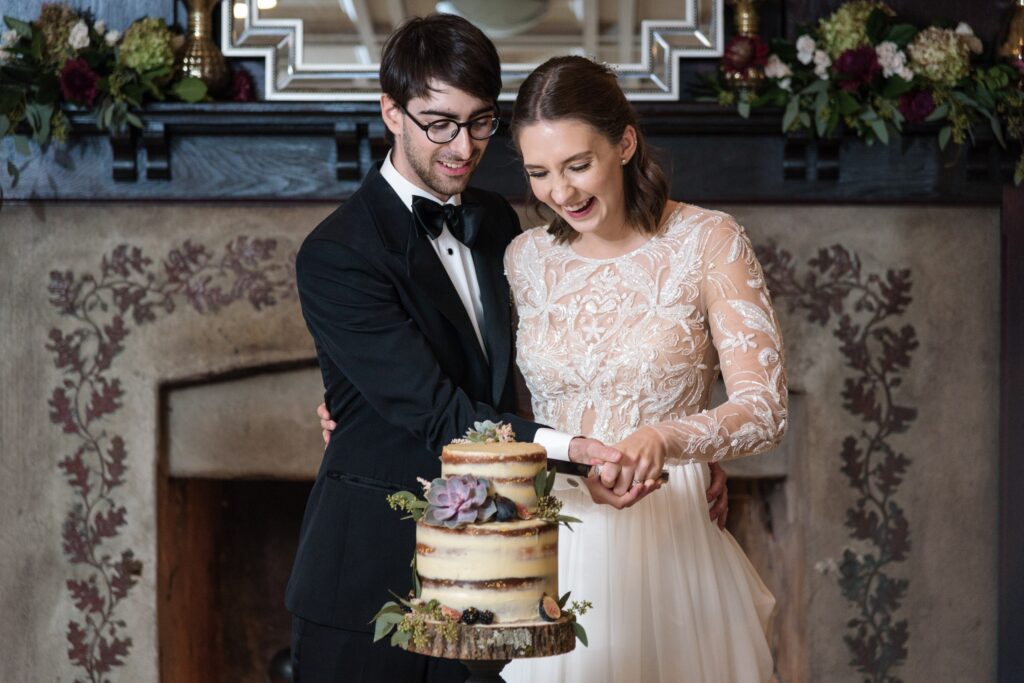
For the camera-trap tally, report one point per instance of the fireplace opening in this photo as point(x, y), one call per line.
point(226, 549)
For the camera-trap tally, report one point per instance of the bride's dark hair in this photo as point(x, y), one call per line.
point(579, 89)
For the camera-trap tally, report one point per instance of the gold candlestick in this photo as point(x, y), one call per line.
point(747, 22)
point(1013, 47)
point(200, 57)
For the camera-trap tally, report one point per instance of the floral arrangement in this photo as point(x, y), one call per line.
point(66, 58)
point(863, 69)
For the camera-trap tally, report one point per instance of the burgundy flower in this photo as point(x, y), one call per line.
point(856, 67)
point(916, 106)
point(78, 82)
point(241, 86)
point(743, 52)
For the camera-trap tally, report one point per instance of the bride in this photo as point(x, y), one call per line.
point(629, 305)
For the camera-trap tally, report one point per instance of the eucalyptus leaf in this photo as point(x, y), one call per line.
point(133, 119)
point(938, 113)
point(819, 85)
point(562, 601)
point(401, 638)
point(23, 28)
point(847, 103)
point(877, 27)
point(881, 132)
point(540, 482)
point(580, 632)
point(805, 119)
point(550, 482)
point(792, 110)
point(901, 34)
point(896, 86)
point(944, 135)
point(744, 108)
point(190, 89)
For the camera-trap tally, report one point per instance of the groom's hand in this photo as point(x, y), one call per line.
point(587, 451)
point(602, 495)
point(718, 495)
point(326, 423)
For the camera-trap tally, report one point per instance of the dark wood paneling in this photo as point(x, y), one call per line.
point(280, 151)
point(988, 18)
point(1011, 442)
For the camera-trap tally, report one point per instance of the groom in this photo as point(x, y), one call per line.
point(403, 291)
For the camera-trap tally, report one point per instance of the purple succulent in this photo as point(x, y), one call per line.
point(458, 500)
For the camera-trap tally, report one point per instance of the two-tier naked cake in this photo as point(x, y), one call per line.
point(502, 567)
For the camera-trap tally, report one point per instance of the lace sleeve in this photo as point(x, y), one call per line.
point(746, 335)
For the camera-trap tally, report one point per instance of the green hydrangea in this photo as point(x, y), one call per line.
point(147, 45)
point(846, 28)
point(939, 55)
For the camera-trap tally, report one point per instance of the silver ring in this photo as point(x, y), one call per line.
point(596, 469)
point(636, 481)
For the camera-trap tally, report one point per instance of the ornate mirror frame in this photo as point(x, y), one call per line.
point(289, 76)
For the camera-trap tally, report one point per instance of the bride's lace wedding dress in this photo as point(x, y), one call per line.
point(610, 345)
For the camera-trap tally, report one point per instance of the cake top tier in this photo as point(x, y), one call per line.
point(510, 451)
point(509, 466)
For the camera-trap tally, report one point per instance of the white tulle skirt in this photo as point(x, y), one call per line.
point(675, 598)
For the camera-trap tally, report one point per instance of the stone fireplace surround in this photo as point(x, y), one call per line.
point(217, 385)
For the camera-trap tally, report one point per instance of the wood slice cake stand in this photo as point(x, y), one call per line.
point(485, 650)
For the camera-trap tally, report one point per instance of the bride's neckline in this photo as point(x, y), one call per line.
point(668, 222)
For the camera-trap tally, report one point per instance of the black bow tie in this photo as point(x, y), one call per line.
point(462, 221)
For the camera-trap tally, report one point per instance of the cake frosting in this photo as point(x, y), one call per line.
point(502, 567)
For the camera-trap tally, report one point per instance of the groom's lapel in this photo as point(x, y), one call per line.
point(397, 228)
point(488, 261)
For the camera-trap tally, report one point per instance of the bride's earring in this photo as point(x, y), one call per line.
point(624, 162)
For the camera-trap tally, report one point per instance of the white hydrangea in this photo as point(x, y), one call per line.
point(776, 68)
point(112, 37)
point(100, 27)
point(821, 64)
point(805, 47)
point(79, 36)
point(966, 34)
point(893, 61)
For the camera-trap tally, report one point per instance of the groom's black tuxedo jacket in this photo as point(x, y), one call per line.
point(403, 375)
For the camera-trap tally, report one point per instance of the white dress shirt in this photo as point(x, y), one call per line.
point(457, 260)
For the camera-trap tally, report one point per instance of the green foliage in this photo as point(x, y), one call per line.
point(878, 109)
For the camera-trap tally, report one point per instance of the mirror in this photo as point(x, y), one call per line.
point(328, 50)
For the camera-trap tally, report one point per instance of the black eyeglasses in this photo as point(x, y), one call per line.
point(445, 130)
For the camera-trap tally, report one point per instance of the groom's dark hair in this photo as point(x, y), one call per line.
point(441, 47)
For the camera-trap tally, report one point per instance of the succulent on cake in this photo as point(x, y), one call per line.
point(490, 432)
point(454, 501)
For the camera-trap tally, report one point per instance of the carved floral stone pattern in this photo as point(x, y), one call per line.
point(130, 289)
point(877, 353)
point(98, 312)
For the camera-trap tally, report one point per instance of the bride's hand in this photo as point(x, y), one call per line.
point(326, 423)
point(643, 457)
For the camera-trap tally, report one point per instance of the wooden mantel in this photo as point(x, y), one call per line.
point(313, 151)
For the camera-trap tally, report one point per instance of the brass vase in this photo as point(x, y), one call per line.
point(1013, 47)
point(747, 22)
point(199, 56)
